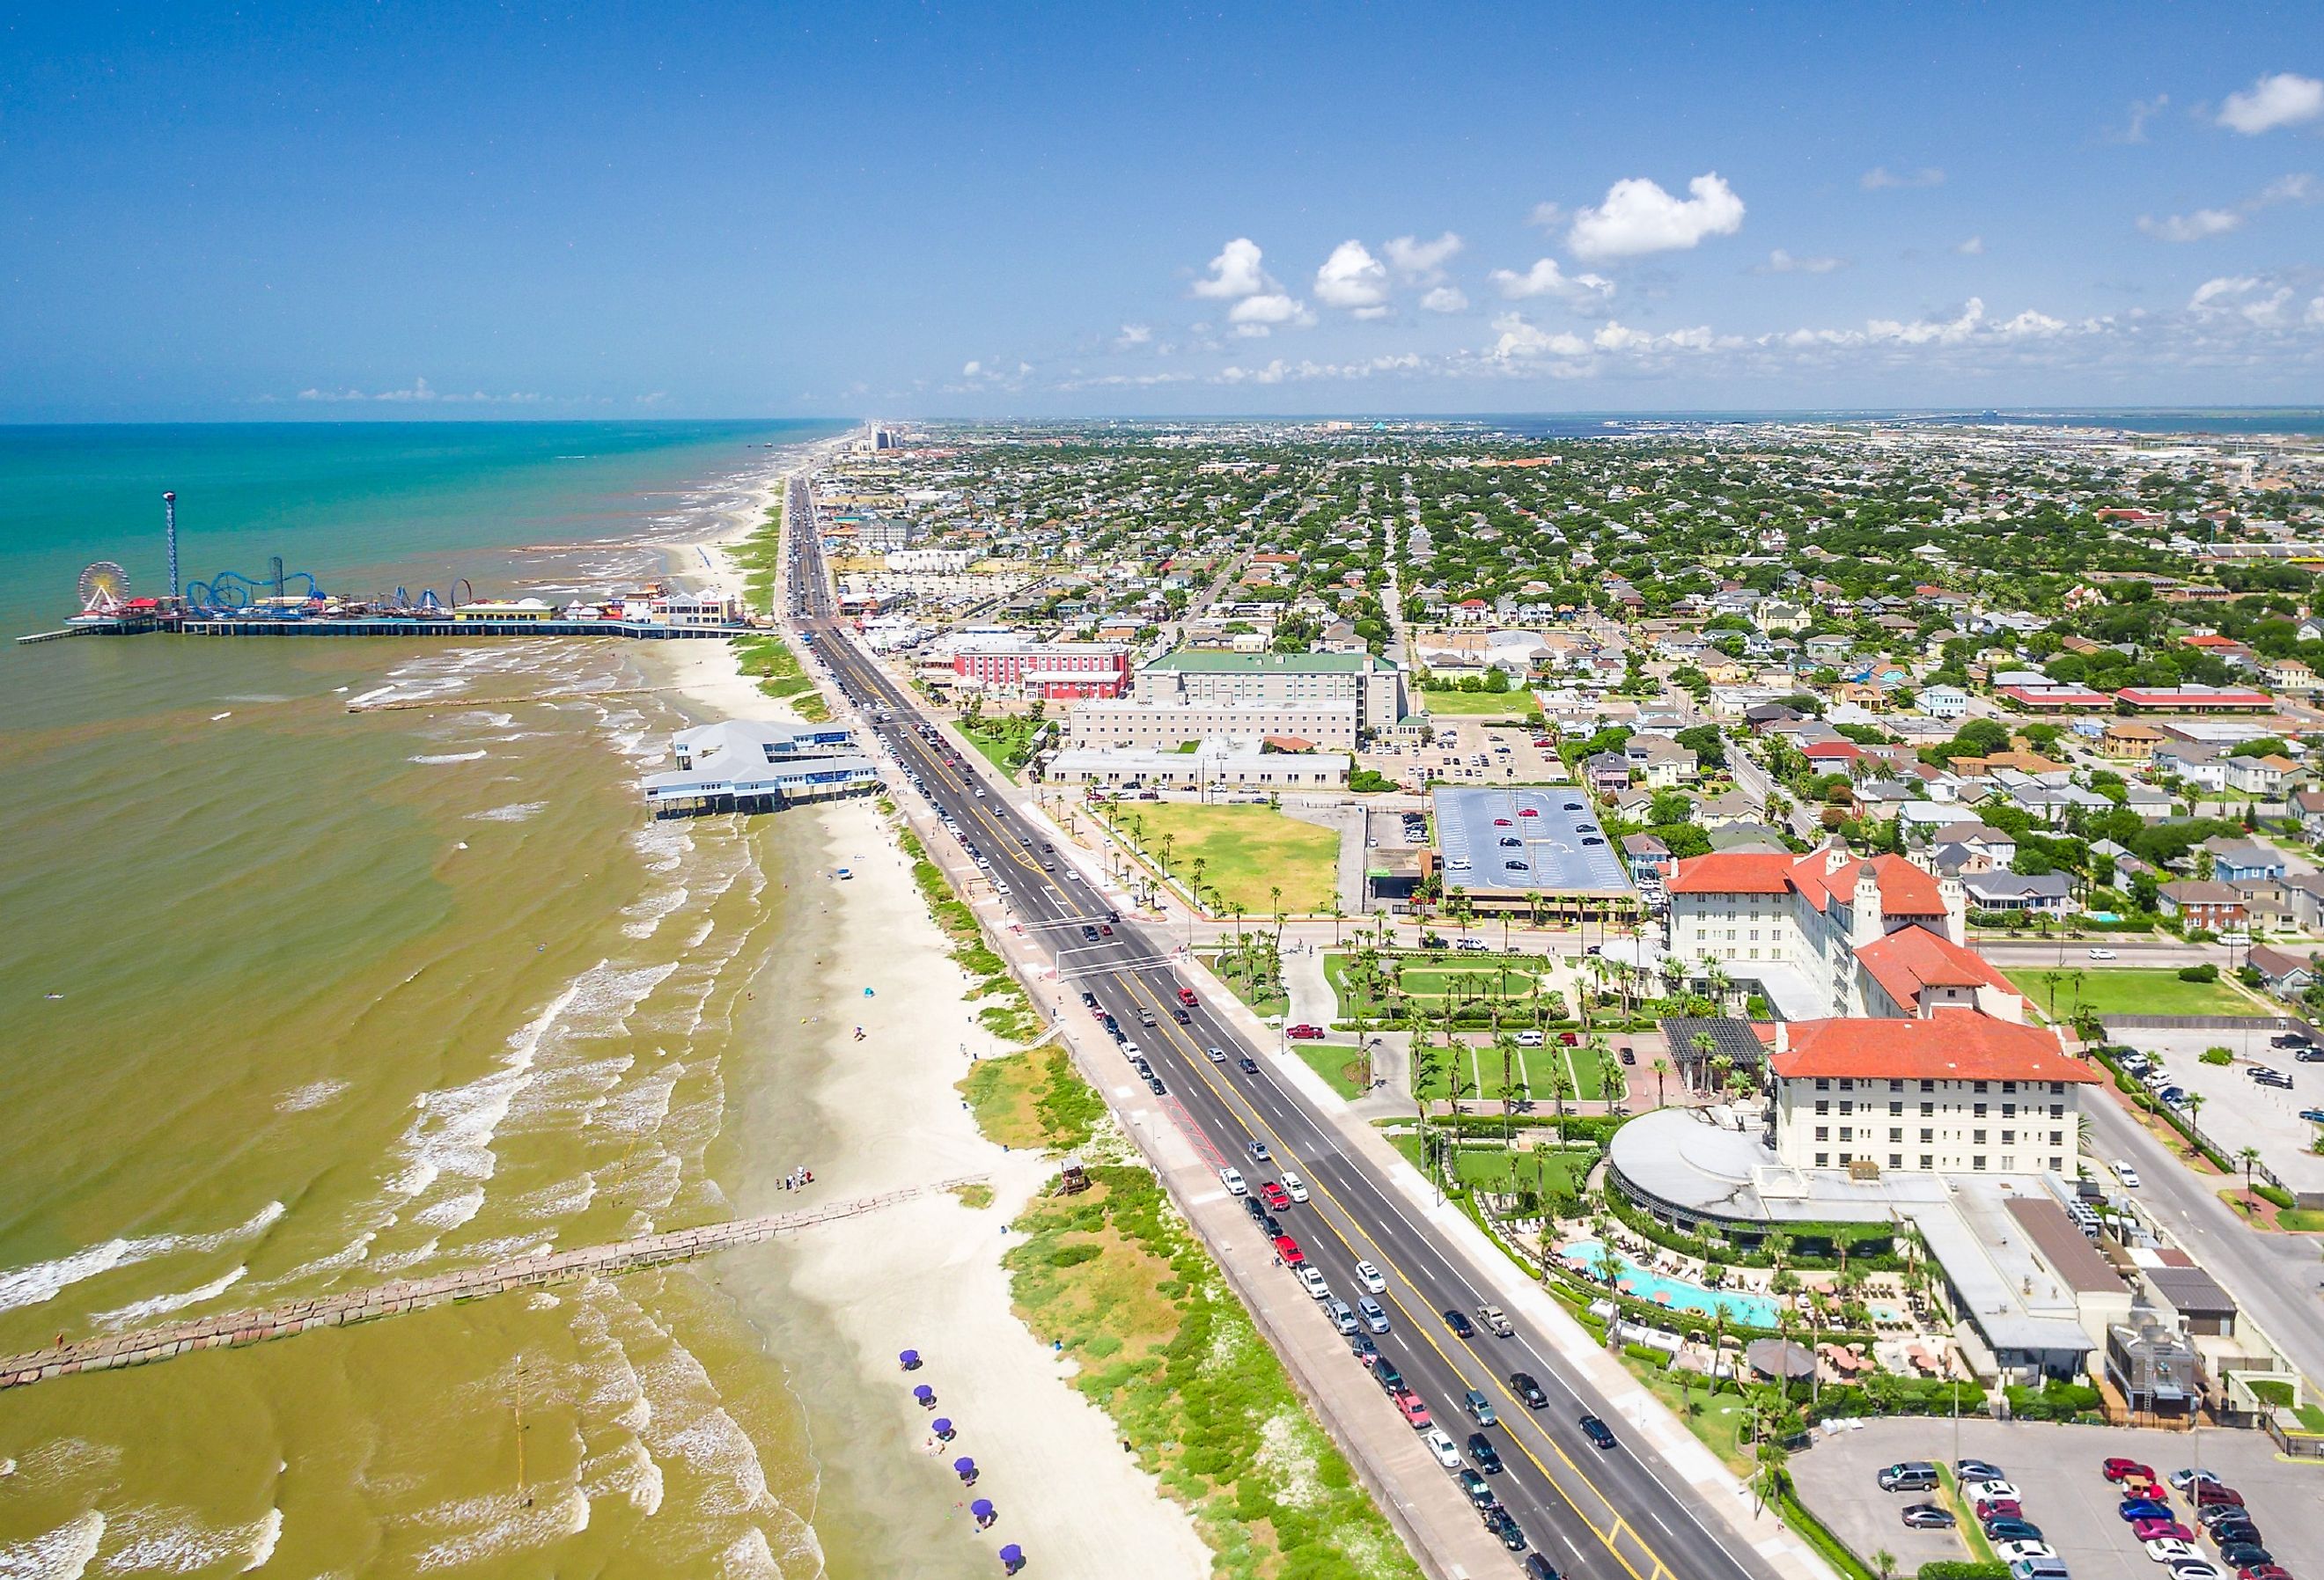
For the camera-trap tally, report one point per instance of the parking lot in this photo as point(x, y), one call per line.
point(1509, 757)
point(2237, 1106)
point(2056, 1470)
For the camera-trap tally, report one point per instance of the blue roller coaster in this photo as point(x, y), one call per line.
point(230, 591)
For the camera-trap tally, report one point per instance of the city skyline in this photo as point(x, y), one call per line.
point(985, 212)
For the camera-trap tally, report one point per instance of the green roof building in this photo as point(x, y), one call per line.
point(1373, 686)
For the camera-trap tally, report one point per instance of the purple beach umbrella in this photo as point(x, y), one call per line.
point(981, 1507)
point(925, 1394)
point(909, 1360)
point(965, 1466)
point(942, 1428)
point(1012, 1557)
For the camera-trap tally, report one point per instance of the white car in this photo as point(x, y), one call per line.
point(1447, 1452)
point(2170, 1550)
point(2102, 953)
point(1529, 1039)
point(1294, 1187)
point(2197, 1569)
point(1370, 1277)
point(2012, 1552)
point(2125, 1173)
point(1232, 1179)
point(1988, 1491)
point(1312, 1281)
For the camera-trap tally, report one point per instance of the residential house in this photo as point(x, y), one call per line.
point(2211, 905)
point(2233, 860)
point(2307, 806)
point(2151, 802)
point(1999, 848)
point(2129, 741)
point(2037, 895)
point(1606, 772)
point(2290, 675)
point(1944, 701)
point(2265, 777)
point(2283, 973)
point(2205, 767)
point(1649, 858)
point(1662, 763)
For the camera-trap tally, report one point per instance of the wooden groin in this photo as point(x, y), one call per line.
point(231, 1328)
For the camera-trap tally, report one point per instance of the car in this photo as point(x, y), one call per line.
point(1523, 1384)
point(1183, 1018)
point(2160, 1530)
point(1294, 1186)
point(1447, 1452)
point(1342, 1316)
point(1601, 1434)
point(1146, 1017)
point(1503, 1524)
point(1495, 1320)
point(1927, 1517)
point(1460, 1324)
point(1988, 1509)
point(1312, 1280)
point(1288, 1249)
point(2210, 1514)
point(2102, 953)
point(1304, 1032)
point(2271, 1570)
point(1259, 1151)
point(1153, 1085)
point(1232, 1179)
point(1503, 823)
point(2182, 1479)
point(1985, 1491)
point(1370, 1277)
point(1414, 1410)
point(2013, 1530)
point(2310, 1056)
point(2134, 1510)
point(1529, 812)
point(2116, 1470)
point(2234, 1533)
point(1479, 1408)
point(1256, 1209)
point(1977, 1470)
point(2196, 1569)
point(1484, 1455)
point(1274, 1197)
point(2012, 1552)
point(2245, 1556)
point(2129, 1178)
point(1629, 1056)
point(1089, 1000)
point(1187, 997)
point(1365, 1350)
point(2312, 1116)
point(1385, 1374)
point(1529, 1039)
point(1374, 1315)
point(1247, 1065)
point(1474, 1487)
point(1569, 1039)
point(2207, 1492)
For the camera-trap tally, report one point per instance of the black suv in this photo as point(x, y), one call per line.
point(1599, 1434)
point(1481, 1450)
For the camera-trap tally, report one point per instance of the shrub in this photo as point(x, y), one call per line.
point(2207, 971)
point(1648, 1354)
point(1073, 1255)
point(1964, 1569)
point(2274, 1196)
point(2217, 1056)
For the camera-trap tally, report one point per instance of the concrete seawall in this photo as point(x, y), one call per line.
point(339, 1310)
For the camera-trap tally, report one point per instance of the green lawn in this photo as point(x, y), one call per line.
point(1494, 1168)
point(1246, 851)
point(1479, 704)
point(998, 739)
point(2131, 991)
point(1529, 1073)
point(1336, 1062)
point(1509, 978)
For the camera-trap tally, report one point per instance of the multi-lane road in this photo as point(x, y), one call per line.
point(1595, 1513)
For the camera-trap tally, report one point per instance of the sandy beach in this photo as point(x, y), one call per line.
point(871, 1114)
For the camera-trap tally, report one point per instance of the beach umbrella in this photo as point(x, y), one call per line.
point(943, 1428)
point(981, 1507)
point(1012, 1557)
point(925, 1394)
point(965, 1466)
point(909, 1360)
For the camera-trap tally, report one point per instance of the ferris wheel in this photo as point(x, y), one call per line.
point(104, 587)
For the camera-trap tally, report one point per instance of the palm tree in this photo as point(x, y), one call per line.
point(1705, 1045)
point(1200, 863)
point(1509, 1048)
point(1662, 1068)
point(1338, 915)
point(1168, 841)
point(1275, 899)
point(1721, 1063)
point(1884, 1563)
point(2249, 1157)
point(2195, 1101)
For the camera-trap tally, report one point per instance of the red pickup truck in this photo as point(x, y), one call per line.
point(1187, 997)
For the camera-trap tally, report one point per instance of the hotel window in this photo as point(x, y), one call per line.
point(1976, 1110)
point(1847, 1106)
point(2009, 1110)
point(1927, 1135)
point(1978, 1138)
point(1895, 1159)
point(1928, 1110)
point(1895, 1132)
point(1976, 1163)
point(2057, 1111)
point(1823, 1105)
point(1895, 1111)
point(1823, 1084)
point(1928, 1161)
point(1846, 1133)
point(1982, 1085)
point(2057, 1165)
point(1928, 1087)
point(1823, 1161)
point(2057, 1137)
point(2009, 1138)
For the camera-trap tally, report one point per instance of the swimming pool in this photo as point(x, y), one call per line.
point(1678, 1294)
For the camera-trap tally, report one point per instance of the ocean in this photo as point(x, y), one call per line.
point(296, 999)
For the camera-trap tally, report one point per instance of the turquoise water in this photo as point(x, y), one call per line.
point(365, 507)
point(1678, 1294)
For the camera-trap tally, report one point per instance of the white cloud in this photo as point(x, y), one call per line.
point(1420, 262)
point(2142, 111)
point(1134, 335)
point(2191, 227)
point(1924, 332)
point(1255, 316)
point(1521, 340)
point(2210, 290)
point(1547, 279)
point(1638, 217)
point(2030, 323)
point(421, 393)
point(1880, 177)
point(2281, 100)
point(1548, 216)
point(2210, 222)
point(969, 370)
point(2316, 311)
point(1971, 248)
point(1235, 272)
point(1351, 277)
point(1446, 299)
point(1780, 261)
point(2258, 301)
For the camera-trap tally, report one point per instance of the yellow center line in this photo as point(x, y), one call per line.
point(1611, 1534)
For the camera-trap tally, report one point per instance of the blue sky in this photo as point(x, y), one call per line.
point(375, 210)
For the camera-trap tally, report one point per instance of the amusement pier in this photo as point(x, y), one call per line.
point(291, 603)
